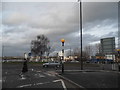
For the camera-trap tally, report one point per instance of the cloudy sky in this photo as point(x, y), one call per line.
point(23, 21)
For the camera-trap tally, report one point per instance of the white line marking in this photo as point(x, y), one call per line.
point(25, 85)
point(42, 83)
point(60, 80)
point(40, 75)
point(22, 77)
point(70, 81)
point(56, 80)
point(49, 74)
point(0, 80)
point(38, 71)
point(63, 84)
point(6, 72)
point(32, 84)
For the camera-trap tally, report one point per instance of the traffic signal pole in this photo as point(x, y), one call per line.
point(62, 40)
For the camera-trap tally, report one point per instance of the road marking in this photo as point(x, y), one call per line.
point(49, 74)
point(41, 83)
point(70, 81)
point(0, 80)
point(38, 71)
point(6, 72)
point(4, 79)
point(22, 77)
point(63, 84)
point(39, 75)
point(24, 85)
point(32, 69)
point(32, 84)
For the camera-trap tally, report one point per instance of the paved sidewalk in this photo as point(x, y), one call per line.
point(93, 79)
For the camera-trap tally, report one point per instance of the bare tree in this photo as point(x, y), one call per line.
point(88, 51)
point(98, 48)
point(40, 45)
point(77, 53)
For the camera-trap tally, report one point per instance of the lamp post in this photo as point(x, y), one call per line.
point(81, 33)
point(62, 40)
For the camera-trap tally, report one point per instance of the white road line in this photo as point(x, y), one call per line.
point(60, 80)
point(22, 77)
point(24, 85)
point(38, 71)
point(6, 72)
point(32, 84)
point(0, 80)
point(39, 75)
point(49, 74)
point(41, 83)
point(56, 80)
point(63, 84)
point(32, 69)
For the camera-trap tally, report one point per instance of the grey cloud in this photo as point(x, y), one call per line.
point(56, 21)
point(93, 11)
point(111, 34)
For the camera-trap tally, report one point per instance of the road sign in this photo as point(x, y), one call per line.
point(108, 45)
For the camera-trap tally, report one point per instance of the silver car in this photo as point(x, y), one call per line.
point(52, 64)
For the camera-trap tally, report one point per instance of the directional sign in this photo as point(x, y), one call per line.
point(108, 45)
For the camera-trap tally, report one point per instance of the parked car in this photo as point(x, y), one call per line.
point(52, 64)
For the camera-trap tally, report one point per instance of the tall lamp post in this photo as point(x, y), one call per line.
point(62, 40)
point(81, 33)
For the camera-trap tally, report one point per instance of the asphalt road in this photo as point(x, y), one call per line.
point(36, 77)
point(39, 77)
point(97, 79)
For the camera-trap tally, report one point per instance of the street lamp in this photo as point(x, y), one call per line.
point(81, 33)
point(62, 40)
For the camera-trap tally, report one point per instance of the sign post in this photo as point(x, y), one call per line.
point(108, 48)
point(118, 51)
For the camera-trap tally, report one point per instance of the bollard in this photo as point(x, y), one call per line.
point(62, 68)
